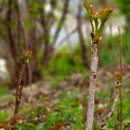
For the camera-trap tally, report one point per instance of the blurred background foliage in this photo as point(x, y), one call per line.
point(58, 34)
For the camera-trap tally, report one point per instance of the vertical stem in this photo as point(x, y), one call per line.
point(111, 41)
point(121, 54)
point(121, 110)
point(92, 85)
point(19, 88)
point(121, 69)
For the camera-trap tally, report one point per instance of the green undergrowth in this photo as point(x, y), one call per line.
point(65, 62)
point(68, 111)
point(66, 108)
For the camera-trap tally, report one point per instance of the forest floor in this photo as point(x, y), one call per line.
point(60, 104)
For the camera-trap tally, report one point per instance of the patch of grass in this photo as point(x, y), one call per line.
point(31, 115)
point(30, 126)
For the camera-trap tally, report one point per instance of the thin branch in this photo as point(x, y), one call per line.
point(104, 119)
point(68, 36)
point(61, 21)
point(121, 69)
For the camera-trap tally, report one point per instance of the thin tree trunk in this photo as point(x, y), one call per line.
point(12, 41)
point(80, 33)
point(12, 45)
point(61, 21)
point(46, 35)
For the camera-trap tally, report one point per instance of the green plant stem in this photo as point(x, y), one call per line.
point(121, 109)
point(121, 70)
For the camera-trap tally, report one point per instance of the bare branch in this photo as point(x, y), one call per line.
point(61, 21)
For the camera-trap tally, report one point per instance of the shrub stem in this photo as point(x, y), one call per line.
point(92, 84)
